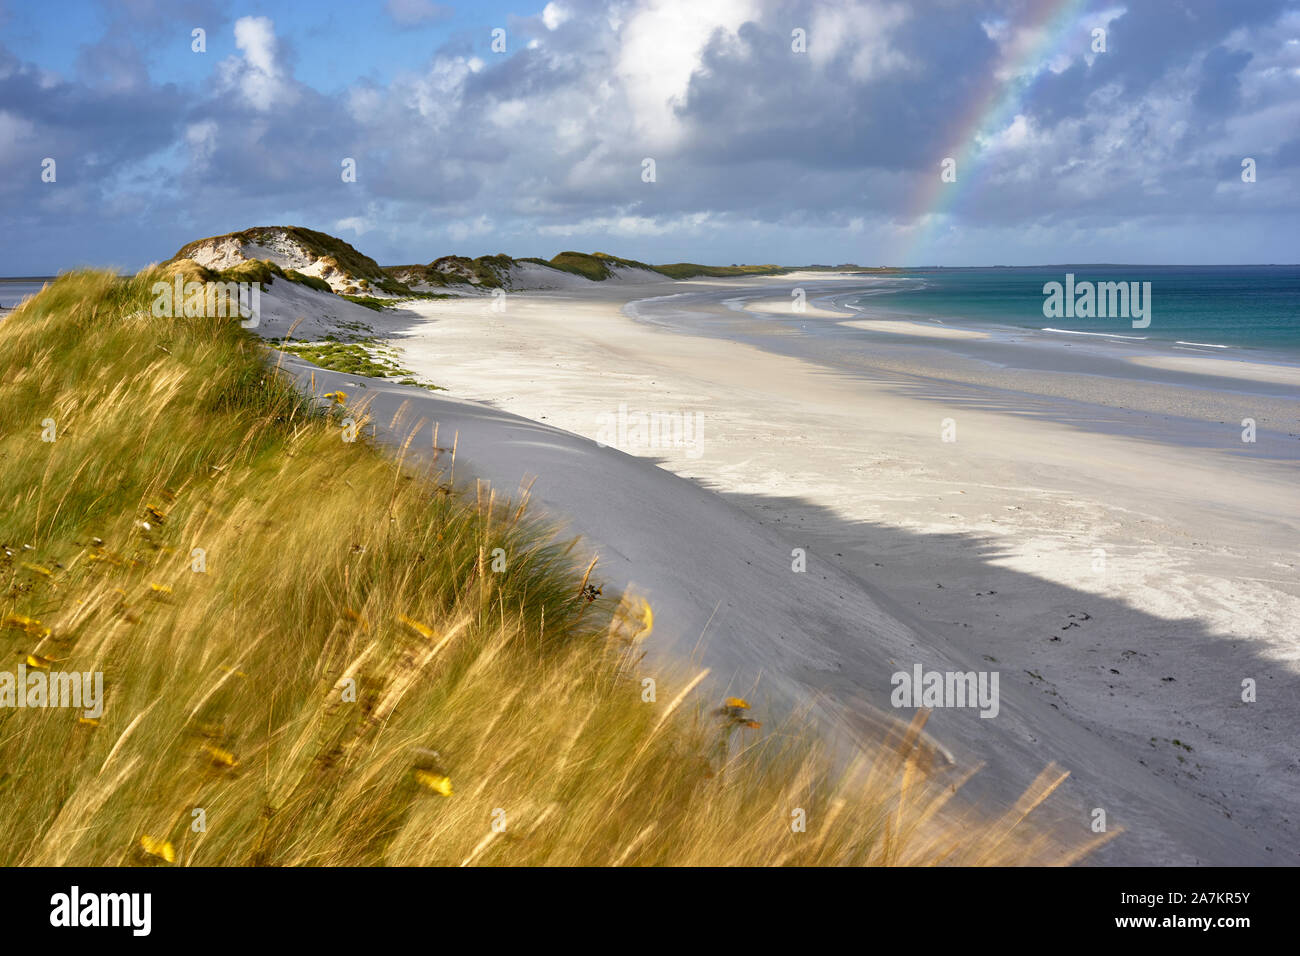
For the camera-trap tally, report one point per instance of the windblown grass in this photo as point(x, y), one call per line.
point(498, 716)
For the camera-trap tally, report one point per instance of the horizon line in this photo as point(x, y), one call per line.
point(854, 265)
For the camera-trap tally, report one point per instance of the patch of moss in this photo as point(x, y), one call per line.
point(691, 270)
point(393, 287)
point(314, 282)
point(362, 358)
point(581, 264)
point(253, 270)
point(354, 327)
point(369, 301)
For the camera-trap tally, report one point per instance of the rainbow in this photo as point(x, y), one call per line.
point(992, 108)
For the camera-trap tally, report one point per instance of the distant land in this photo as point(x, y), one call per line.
point(317, 258)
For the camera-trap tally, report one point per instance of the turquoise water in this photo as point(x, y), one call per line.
point(1234, 306)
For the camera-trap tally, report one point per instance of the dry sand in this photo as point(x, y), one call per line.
point(1224, 367)
point(1124, 583)
point(896, 327)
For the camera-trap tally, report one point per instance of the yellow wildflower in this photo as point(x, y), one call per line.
point(435, 782)
point(159, 848)
point(422, 629)
point(220, 756)
point(29, 625)
point(647, 621)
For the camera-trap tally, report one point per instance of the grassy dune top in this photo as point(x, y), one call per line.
point(493, 271)
point(320, 244)
point(490, 272)
point(598, 266)
point(315, 654)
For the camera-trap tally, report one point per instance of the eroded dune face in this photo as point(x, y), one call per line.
point(301, 250)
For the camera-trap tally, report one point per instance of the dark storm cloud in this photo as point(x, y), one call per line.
point(1220, 88)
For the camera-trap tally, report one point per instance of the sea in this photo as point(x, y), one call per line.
point(1223, 308)
point(13, 291)
point(1208, 307)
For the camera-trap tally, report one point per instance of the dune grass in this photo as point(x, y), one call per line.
point(693, 270)
point(320, 244)
point(485, 272)
point(369, 302)
point(314, 654)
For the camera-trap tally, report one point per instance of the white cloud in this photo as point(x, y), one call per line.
point(1013, 135)
point(258, 75)
point(661, 47)
point(437, 94)
point(201, 138)
point(632, 226)
point(357, 225)
point(553, 14)
point(461, 229)
point(865, 29)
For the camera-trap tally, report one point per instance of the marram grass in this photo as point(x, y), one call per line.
point(497, 717)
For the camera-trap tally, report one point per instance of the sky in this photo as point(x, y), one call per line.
point(946, 132)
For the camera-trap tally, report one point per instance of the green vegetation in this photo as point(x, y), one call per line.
point(596, 266)
point(369, 301)
point(489, 272)
point(590, 267)
point(314, 282)
point(690, 270)
point(319, 244)
point(378, 305)
point(356, 358)
point(308, 641)
point(392, 286)
point(485, 271)
point(335, 255)
point(250, 270)
point(358, 330)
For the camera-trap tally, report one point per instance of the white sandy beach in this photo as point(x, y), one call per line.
point(1122, 570)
